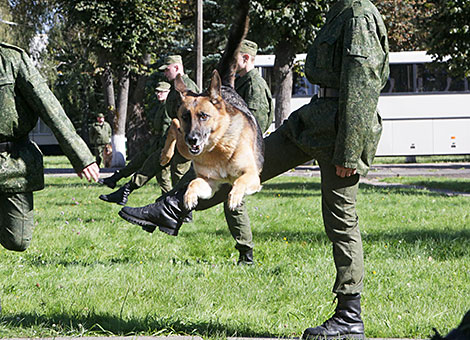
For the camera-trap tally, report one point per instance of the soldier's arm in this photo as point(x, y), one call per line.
point(360, 86)
point(41, 99)
point(257, 102)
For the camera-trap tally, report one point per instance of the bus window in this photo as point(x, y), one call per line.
point(400, 80)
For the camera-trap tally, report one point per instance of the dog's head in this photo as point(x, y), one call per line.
point(203, 117)
point(108, 149)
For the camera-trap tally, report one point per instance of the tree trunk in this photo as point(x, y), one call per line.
point(138, 130)
point(285, 57)
point(108, 88)
point(119, 134)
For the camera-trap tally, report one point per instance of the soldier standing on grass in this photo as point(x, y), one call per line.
point(179, 165)
point(161, 122)
point(340, 128)
point(100, 135)
point(24, 96)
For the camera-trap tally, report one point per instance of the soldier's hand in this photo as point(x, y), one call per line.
point(342, 172)
point(91, 172)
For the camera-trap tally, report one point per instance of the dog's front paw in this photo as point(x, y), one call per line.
point(190, 200)
point(235, 198)
point(165, 158)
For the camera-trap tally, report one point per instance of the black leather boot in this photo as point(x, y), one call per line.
point(112, 180)
point(167, 213)
point(460, 333)
point(120, 196)
point(346, 323)
point(245, 258)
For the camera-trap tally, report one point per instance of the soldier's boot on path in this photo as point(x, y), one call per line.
point(346, 323)
point(112, 180)
point(167, 213)
point(245, 258)
point(120, 196)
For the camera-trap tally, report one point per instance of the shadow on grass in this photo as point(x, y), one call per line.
point(113, 325)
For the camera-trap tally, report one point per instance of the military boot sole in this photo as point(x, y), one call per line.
point(147, 225)
point(106, 199)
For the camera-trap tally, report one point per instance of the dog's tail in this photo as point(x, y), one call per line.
point(228, 63)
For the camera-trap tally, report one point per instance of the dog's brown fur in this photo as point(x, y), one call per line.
point(219, 134)
point(107, 155)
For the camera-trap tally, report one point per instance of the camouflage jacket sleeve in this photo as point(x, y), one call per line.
point(359, 90)
point(41, 99)
point(258, 98)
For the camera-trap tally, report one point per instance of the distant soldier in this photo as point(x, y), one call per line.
point(160, 123)
point(100, 135)
point(172, 67)
point(24, 96)
point(256, 93)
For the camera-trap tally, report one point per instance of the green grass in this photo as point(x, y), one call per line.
point(87, 272)
point(56, 162)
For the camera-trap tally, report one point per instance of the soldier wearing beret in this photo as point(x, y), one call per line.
point(100, 135)
point(340, 128)
point(160, 123)
point(172, 66)
point(25, 97)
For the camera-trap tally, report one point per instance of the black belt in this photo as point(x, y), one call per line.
point(8, 146)
point(328, 92)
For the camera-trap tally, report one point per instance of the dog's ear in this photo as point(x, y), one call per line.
point(215, 87)
point(180, 86)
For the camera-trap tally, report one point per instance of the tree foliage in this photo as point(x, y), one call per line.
point(449, 34)
point(401, 18)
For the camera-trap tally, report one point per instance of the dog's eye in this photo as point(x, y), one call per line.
point(203, 116)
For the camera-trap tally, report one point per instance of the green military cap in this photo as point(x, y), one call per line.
point(100, 115)
point(171, 59)
point(162, 86)
point(249, 47)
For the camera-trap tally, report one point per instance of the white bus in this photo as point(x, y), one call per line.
point(424, 111)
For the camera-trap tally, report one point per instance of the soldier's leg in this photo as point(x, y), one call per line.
point(341, 226)
point(168, 212)
point(164, 179)
point(16, 220)
point(179, 167)
point(238, 223)
point(148, 170)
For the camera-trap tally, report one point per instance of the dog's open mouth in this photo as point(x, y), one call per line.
point(195, 149)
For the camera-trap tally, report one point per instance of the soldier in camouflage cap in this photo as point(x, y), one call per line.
point(100, 135)
point(25, 97)
point(179, 165)
point(160, 123)
point(340, 128)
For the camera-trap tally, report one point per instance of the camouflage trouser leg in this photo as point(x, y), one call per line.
point(148, 170)
point(16, 220)
point(341, 226)
point(164, 179)
point(179, 167)
point(238, 223)
point(98, 152)
point(134, 165)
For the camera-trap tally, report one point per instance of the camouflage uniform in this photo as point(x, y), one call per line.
point(161, 122)
point(257, 95)
point(178, 164)
point(25, 97)
point(349, 56)
point(100, 135)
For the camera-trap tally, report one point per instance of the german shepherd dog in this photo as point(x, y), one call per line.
point(217, 131)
